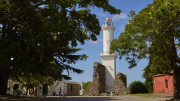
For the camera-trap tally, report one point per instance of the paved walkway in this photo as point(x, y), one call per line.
point(98, 98)
point(85, 98)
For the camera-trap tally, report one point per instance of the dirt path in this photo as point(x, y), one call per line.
point(86, 98)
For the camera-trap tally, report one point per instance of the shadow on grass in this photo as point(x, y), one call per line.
point(15, 98)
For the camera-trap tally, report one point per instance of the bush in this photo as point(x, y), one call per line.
point(138, 87)
point(85, 85)
point(149, 85)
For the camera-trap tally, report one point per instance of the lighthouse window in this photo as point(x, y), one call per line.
point(107, 42)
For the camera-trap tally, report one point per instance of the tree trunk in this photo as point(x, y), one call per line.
point(176, 83)
point(27, 91)
point(3, 83)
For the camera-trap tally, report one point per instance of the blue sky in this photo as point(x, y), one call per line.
point(93, 48)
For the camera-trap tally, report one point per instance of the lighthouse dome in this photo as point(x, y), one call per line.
point(108, 22)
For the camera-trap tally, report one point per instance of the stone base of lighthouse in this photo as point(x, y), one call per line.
point(109, 61)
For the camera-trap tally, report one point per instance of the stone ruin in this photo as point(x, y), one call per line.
point(121, 84)
point(97, 87)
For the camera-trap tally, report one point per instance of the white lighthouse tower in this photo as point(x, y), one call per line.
point(109, 60)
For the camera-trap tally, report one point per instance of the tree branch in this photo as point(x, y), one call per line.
point(165, 30)
point(19, 13)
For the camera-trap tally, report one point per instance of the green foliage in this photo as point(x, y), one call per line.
point(34, 81)
point(148, 75)
point(85, 85)
point(132, 14)
point(138, 87)
point(147, 27)
point(154, 69)
point(149, 85)
point(153, 33)
point(36, 32)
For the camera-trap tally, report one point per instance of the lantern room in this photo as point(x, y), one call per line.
point(108, 22)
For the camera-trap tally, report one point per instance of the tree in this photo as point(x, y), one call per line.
point(85, 85)
point(154, 68)
point(157, 24)
point(138, 87)
point(36, 32)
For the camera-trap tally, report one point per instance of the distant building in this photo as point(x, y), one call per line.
point(71, 88)
point(163, 83)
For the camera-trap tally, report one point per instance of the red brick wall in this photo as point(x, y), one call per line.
point(159, 84)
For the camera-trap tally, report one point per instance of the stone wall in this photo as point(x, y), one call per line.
point(98, 85)
point(74, 91)
point(120, 84)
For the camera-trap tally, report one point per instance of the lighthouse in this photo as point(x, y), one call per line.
point(108, 60)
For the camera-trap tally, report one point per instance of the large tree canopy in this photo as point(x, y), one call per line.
point(35, 36)
point(153, 32)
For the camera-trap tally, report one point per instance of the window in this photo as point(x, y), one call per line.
point(166, 83)
point(80, 87)
point(71, 87)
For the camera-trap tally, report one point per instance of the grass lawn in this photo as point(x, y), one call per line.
point(144, 95)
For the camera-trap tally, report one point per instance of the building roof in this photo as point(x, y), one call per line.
point(162, 75)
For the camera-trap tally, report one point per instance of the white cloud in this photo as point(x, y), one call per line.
point(122, 27)
point(121, 16)
point(95, 42)
point(102, 15)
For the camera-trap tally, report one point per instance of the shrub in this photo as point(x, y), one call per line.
point(85, 85)
point(149, 85)
point(138, 87)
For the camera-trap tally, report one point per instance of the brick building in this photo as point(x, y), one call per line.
point(163, 83)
